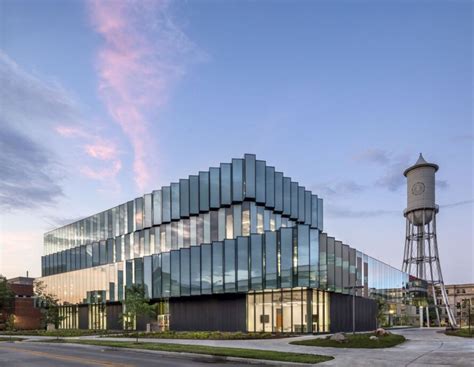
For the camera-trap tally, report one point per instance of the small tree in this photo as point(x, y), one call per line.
point(48, 304)
point(136, 304)
point(7, 301)
point(381, 310)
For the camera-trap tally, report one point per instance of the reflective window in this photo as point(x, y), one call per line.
point(147, 275)
point(307, 207)
point(294, 200)
point(270, 187)
point(157, 207)
point(166, 210)
point(89, 255)
point(229, 223)
point(130, 216)
point(214, 177)
point(204, 191)
point(237, 180)
point(271, 271)
point(221, 225)
point(286, 195)
point(110, 252)
point(217, 267)
point(193, 194)
point(313, 258)
point(214, 225)
point(286, 257)
point(127, 247)
point(175, 273)
point(320, 214)
point(185, 279)
point(260, 171)
point(206, 269)
point(157, 276)
point(301, 204)
point(128, 273)
point(345, 268)
point(118, 249)
point(249, 183)
point(83, 258)
point(195, 270)
point(184, 197)
point(226, 184)
point(95, 255)
point(175, 203)
point(148, 213)
point(242, 264)
point(229, 265)
point(206, 227)
point(138, 267)
point(166, 274)
point(256, 262)
point(138, 214)
point(303, 255)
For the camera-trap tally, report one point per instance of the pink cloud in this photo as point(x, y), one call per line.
point(137, 65)
point(102, 173)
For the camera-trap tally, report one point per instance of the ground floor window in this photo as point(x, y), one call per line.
point(97, 316)
point(69, 317)
point(298, 310)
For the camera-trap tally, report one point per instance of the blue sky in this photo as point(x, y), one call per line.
point(103, 101)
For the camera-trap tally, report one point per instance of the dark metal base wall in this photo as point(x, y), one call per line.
point(341, 313)
point(208, 313)
point(83, 317)
point(113, 316)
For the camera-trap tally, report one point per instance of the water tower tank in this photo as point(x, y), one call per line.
point(420, 192)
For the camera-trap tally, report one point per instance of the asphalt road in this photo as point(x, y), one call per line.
point(26, 354)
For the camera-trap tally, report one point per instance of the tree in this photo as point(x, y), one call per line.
point(381, 311)
point(7, 299)
point(48, 304)
point(136, 304)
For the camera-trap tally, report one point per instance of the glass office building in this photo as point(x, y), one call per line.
point(241, 237)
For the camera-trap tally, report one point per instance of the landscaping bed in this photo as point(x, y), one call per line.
point(355, 341)
point(211, 335)
point(60, 332)
point(464, 332)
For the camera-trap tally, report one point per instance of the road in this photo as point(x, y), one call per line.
point(28, 354)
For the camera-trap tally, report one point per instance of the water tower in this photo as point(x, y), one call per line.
point(421, 256)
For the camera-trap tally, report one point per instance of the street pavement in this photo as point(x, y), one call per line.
point(29, 354)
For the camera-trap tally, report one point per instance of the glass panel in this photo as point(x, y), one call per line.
point(298, 323)
point(249, 183)
point(193, 195)
point(84, 256)
point(166, 210)
point(157, 207)
point(186, 233)
point(267, 312)
point(237, 214)
point(237, 180)
point(259, 317)
point(313, 258)
point(270, 187)
point(195, 270)
point(118, 249)
point(184, 197)
point(242, 264)
point(229, 265)
point(294, 200)
point(130, 216)
point(214, 177)
point(89, 255)
point(157, 276)
point(138, 270)
point(345, 269)
point(260, 211)
point(148, 214)
point(175, 272)
point(260, 171)
point(214, 225)
point(286, 195)
point(165, 274)
point(204, 191)
point(147, 275)
point(128, 273)
point(175, 214)
point(251, 313)
point(271, 271)
point(221, 225)
point(110, 251)
point(95, 255)
point(301, 202)
point(229, 223)
point(286, 306)
point(185, 272)
point(206, 269)
point(256, 262)
point(307, 207)
point(217, 267)
point(138, 214)
point(246, 218)
point(303, 255)
point(286, 257)
point(226, 184)
point(278, 192)
point(320, 215)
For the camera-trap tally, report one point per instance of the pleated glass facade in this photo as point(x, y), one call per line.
point(242, 227)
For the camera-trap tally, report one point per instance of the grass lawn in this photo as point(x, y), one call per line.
point(464, 332)
point(215, 351)
point(356, 341)
point(212, 335)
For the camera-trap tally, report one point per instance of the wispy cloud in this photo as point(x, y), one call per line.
point(458, 203)
point(29, 176)
point(98, 148)
point(143, 55)
point(339, 188)
point(374, 155)
point(342, 212)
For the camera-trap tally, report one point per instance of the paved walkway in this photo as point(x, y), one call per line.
point(424, 347)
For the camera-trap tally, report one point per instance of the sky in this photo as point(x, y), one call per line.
point(103, 101)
